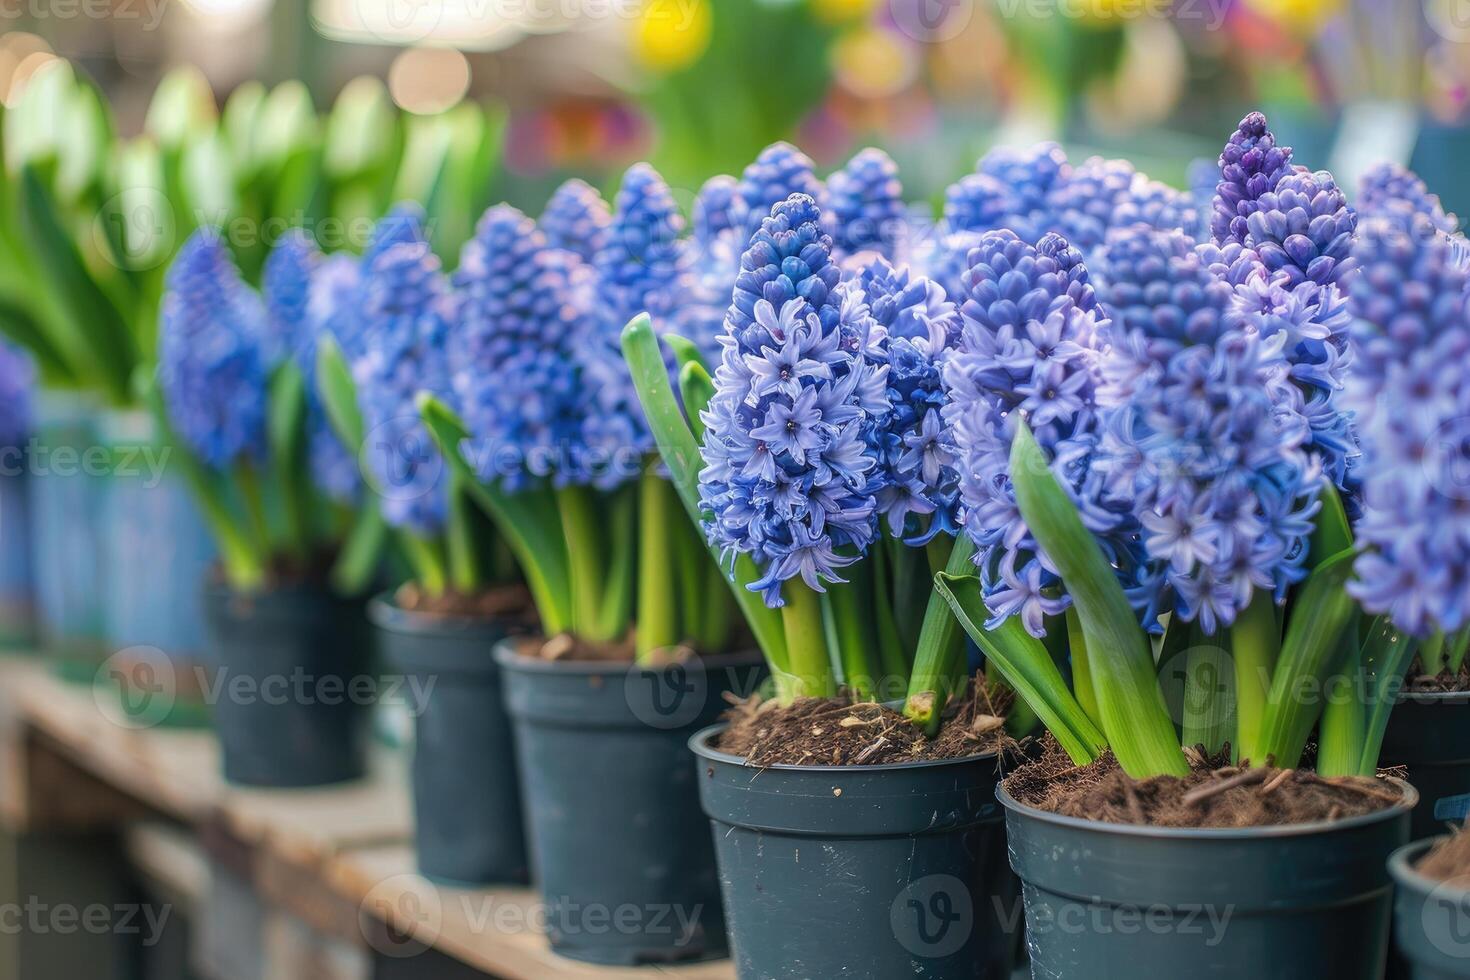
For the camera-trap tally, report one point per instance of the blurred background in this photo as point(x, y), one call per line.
point(699, 86)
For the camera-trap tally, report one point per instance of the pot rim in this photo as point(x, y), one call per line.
point(1401, 868)
point(506, 655)
point(1407, 803)
point(699, 744)
point(385, 614)
point(216, 588)
point(1434, 697)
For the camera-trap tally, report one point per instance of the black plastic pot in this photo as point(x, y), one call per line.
point(1431, 919)
point(620, 851)
point(1113, 901)
point(466, 800)
point(861, 871)
point(1429, 735)
point(294, 686)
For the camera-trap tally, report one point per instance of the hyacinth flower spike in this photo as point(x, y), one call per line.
point(309, 299)
point(914, 327)
point(520, 404)
point(644, 266)
point(211, 399)
point(1412, 335)
point(785, 482)
point(865, 206)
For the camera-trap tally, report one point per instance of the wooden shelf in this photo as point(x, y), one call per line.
point(338, 858)
point(489, 929)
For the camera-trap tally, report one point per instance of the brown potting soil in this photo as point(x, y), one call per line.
point(842, 732)
point(1214, 794)
point(565, 646)
point(1445, 682)
point(503, 601)
point(1448, 860)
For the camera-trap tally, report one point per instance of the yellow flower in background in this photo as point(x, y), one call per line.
point(1301, 16)
point(842, 11)
point(872, 64)
point(672, 34)
point(1119, 11)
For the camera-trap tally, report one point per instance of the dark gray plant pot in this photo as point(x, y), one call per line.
point(861, 871)
point(1429, 735)
point(619, 848)
point(466, 798)
point(294, 700)
point(1431, 920)
point(1113, 901)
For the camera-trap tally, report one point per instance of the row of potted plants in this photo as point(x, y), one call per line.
point(1163, 487)
point(89, 222)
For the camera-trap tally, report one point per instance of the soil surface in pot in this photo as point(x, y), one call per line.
point(841, 732)
point(565, 646)
point(1445, 682)
point(1214, 794)
point(500, 602)
point(1449, 860)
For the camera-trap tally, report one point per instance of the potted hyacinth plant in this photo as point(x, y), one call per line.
point(816, 424)
point(377, 330)
point(1408, 302)
point(636, 632)
point(1432, 906)
point(1411, 334)
point(290, 651)
point(1180, 462)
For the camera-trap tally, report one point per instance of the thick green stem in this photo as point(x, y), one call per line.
point(1432, 655)
point(658, 585)
point(254, 500)
point(692, 568)
point(1458, 645)
point(1386, 656)
point(1207, 695)
point(586, 556)
point(1255, 643)
point(615, 611)
point(854, 633)
point(939, 659)
point(1344, 724)
point(461, 541)
point(808, 666)
point(911, 587)
point(426, 558)
point(893, 654)
point(716, 609)
point(1081, 668)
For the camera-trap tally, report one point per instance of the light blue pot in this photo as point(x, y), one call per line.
point(66, 480)
point(17, 584)
point(158, 553)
